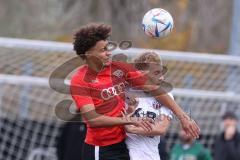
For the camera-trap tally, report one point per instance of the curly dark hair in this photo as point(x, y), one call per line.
point(87, 36)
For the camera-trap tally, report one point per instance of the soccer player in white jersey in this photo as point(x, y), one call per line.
point(143, 145)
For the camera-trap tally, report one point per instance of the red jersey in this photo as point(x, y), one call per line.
point(105, 90)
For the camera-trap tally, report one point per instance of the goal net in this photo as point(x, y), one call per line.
point(204, 85)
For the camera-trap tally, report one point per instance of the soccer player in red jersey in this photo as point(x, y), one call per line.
point(98, 91)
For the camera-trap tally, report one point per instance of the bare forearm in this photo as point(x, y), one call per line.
point(95, 119)
point(140, 131)
point(152, 133)
point(188, 124)
point(106, 121)
point(167, 101)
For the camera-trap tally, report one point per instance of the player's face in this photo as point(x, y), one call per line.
point(156, 73)
point(100, 53)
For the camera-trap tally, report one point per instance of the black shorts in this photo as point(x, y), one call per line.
point(116, 151)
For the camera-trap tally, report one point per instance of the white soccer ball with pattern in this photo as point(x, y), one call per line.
point(157, 23)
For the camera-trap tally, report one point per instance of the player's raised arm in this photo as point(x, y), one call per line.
point(188, 124)
point(95, 119)
point(158, 128)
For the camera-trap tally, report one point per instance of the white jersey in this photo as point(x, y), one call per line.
point(145, 147)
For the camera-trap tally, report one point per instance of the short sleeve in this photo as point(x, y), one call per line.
point(80, 93)
point(166, 111)
point(133, 76)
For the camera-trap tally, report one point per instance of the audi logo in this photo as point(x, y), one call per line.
point(110, 92)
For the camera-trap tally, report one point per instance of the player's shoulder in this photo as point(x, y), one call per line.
point(123, 65)
point(78, 76)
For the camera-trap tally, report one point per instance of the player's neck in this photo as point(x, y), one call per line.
point(94, 66)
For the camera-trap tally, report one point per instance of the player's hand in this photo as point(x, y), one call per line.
point(145, 123)
point(190, 126)
point(127, 116)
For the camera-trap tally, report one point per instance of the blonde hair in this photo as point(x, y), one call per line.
point(142, 62)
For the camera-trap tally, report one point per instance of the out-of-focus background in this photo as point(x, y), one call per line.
point(200, 25)
point(202, 55)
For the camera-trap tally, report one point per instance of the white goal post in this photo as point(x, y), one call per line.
point(205, 85)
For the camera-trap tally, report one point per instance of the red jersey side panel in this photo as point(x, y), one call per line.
point(80, 90)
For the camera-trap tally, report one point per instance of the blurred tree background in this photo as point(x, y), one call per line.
point(200, 25)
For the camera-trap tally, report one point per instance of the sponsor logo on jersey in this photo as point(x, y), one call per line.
point(156, 105)
point(139, 112)
point(110, 92)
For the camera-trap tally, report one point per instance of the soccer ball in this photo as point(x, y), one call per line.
point(157, 23)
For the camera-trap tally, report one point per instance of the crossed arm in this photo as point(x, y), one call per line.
point(188, 124)
point(158, 128)
point(95, 119)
